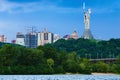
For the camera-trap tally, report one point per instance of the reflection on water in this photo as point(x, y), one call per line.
point(59, 77)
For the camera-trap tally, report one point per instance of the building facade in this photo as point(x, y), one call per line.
point(56, 37)
point(20, 39)
point(66, 37)
point(13, 41)
point(31, 40)
point(3, 38)
point(74, 35)
point(45, 37)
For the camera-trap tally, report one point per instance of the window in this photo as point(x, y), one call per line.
point(45, 36)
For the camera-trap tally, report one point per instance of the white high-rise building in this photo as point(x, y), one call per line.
point(20, 39)
point(45, 37)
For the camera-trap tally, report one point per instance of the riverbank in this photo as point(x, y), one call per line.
point(95, 73)
point(104, 74)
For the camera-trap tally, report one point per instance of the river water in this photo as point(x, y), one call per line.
point(60, 77)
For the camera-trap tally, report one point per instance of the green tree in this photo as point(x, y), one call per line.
point(50, 63)
point(31, 57)
point(8, 55)
point(84, 66)
point(101, 67)
point(71, 64)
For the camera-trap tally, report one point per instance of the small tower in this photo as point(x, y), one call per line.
point(87, 33)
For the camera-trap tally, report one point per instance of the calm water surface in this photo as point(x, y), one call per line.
point(59, 77)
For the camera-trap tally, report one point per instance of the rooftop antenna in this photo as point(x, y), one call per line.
point(31, 29)
point(45, 29)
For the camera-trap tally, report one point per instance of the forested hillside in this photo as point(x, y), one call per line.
point(64, 56)
point(89, 48)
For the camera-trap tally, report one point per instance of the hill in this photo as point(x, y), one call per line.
point(89, 48)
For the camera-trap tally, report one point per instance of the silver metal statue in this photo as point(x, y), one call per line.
point(86, 17)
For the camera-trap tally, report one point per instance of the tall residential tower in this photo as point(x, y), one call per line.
point(31, 40)
point(45, 37)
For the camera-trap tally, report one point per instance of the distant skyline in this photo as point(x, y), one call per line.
point(60, 16)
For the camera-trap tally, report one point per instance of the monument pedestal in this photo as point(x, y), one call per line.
point(87, 34)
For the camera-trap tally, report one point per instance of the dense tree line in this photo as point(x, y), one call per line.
point(89, 48)
point(64, 56)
